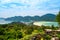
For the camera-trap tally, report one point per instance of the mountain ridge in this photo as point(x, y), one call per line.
point(46, 17)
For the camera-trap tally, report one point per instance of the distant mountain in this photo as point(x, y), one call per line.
point(36, 18)
point(47, 17)
point(27, 18)
point(15, 19)
point(2, 18)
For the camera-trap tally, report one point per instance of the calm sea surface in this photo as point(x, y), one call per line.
point(35, 23)
point(4, 22)
point(46, 23)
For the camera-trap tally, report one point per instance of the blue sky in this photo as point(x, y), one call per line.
point(9, 8)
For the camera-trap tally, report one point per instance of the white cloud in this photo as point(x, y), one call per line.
point(33, 4)
point(30, 7)
point(5, 1)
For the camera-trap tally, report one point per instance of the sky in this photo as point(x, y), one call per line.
point(10, 8)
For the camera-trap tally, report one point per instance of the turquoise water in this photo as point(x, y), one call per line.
point(40, 23)
point(46, 23)
point(4, 22)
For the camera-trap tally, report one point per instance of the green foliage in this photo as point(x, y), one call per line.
point(48, 37)
point(58, 18)
point(2, 31)
point(19, 31)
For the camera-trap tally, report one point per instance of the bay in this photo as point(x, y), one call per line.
point(45, 23)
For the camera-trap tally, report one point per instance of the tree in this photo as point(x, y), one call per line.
point(58, 18)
